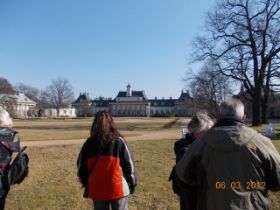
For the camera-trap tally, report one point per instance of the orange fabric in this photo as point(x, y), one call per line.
point(105, 181)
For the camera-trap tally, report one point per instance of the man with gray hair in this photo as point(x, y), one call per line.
point(232, 108)
point(232, 166)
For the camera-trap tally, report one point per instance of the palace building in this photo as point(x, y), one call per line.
point(18, 104)
point(132, 103)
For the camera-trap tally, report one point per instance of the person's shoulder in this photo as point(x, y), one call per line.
point(179, 141)
point(120, 140)
point(183, 142)
point(202, 142)
point(88, 142)
point(7, 130)
point(121, 143)
point(258, 141)
point(179, 144)
point(252, 135)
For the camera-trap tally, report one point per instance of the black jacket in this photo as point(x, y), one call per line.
point(183, 145)
point(113, 176)
point(186, 192)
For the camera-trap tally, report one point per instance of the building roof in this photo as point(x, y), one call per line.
point(102, 102)
point(162, 102)
point(133, 94)
point(83, 97)
point(184, 96)
point(19, 98)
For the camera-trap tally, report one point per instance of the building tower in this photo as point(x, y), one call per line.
point(128, 90)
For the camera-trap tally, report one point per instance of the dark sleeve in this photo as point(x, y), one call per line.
point(271, 166)
point(82, 166)
point(127, 165)
point(186, 168)
point(177, 146)
point(182, 146)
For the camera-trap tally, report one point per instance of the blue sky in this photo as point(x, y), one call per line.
point(100, 45)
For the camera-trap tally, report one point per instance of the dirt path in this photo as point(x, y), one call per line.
point(130, 136)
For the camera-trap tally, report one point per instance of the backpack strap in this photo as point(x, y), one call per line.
point(95, 162)
point(97, 157)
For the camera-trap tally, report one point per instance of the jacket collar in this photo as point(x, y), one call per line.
point(229, 122)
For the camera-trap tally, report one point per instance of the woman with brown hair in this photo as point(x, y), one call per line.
point(105, 165)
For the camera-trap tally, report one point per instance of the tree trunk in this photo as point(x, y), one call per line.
point(266, 95)
point(264, 113)
point(256, 119)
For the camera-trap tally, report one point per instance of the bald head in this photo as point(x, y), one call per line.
point(232, 108)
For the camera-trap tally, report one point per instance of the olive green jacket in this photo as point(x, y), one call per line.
point(232, 167)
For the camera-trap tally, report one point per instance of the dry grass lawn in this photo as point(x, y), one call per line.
point(52, 182)
point(131, 128)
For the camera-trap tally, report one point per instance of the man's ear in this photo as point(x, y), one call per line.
point(244, 117)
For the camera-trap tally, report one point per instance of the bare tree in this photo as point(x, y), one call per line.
point(40, 97)
point(44, 101)
point(6, 87)
point(31, 92)
point(59, 94)
point(271, 83)
point(242, 37)
point(208, 88)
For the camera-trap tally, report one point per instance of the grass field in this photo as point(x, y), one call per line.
point(52, 183)
point(59, 129)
